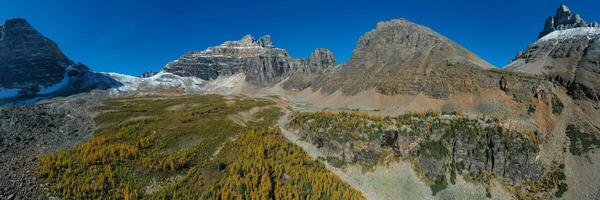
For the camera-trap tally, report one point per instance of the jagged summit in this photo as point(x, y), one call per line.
point(564, 19)
point(17, 23)
point(265, 41)
point(248, 41)
point(566, 53)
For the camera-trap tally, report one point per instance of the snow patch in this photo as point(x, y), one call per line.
point(225, 82)
point(239, 47)
point(571, 33)
point(172, 80)
point(159, 80)
point(64, 82)
point(129, 83)
point(169, 80)
point(210, 56)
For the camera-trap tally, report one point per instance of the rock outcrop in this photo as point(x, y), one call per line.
point(33, 67)
point(261, 62)
point(320, 59)
point(568, 55)
point(317, 66)
point(148, 74)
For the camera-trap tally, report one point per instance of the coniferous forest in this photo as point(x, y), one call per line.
point(188, 148)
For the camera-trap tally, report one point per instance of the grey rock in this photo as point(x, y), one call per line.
point(389, 138)
point(29, 131)
point(320, 63)
point(432, 168)
point(365, 156)
point(320, 60)
point(510, 158)
point(148, 74)
point(265, 41)
point(503, 84)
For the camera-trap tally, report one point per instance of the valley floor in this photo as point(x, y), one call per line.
point(187, 147)
point(223, 147)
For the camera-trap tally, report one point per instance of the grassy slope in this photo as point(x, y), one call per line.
point(168, 148)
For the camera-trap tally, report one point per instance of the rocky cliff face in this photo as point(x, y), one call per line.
point(437, 145)
point(319, 64)
point(566, 54)
point(33, 67)
point(27, 57)
point(259, 60)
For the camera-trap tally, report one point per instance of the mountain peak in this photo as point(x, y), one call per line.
point(265, 41)
point(562, 20)
point(28, 55)
point(16, 27)
point(16, 22)
point(247, 40)
point(563, 8)
point(34, 67)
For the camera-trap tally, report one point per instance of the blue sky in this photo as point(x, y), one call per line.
point(130, 37)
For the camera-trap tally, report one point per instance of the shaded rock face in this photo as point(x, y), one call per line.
point(401, 57)
point(33, 67)
point(320, 59)
point(319, 64)
point(511, 158)
point(27, 57)
point(564, 19)
point(263, 64)
point(568, 55)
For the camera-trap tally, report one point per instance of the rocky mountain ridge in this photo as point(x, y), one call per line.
point(261, 62)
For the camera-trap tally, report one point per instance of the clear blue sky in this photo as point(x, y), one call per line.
point(130, 37)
